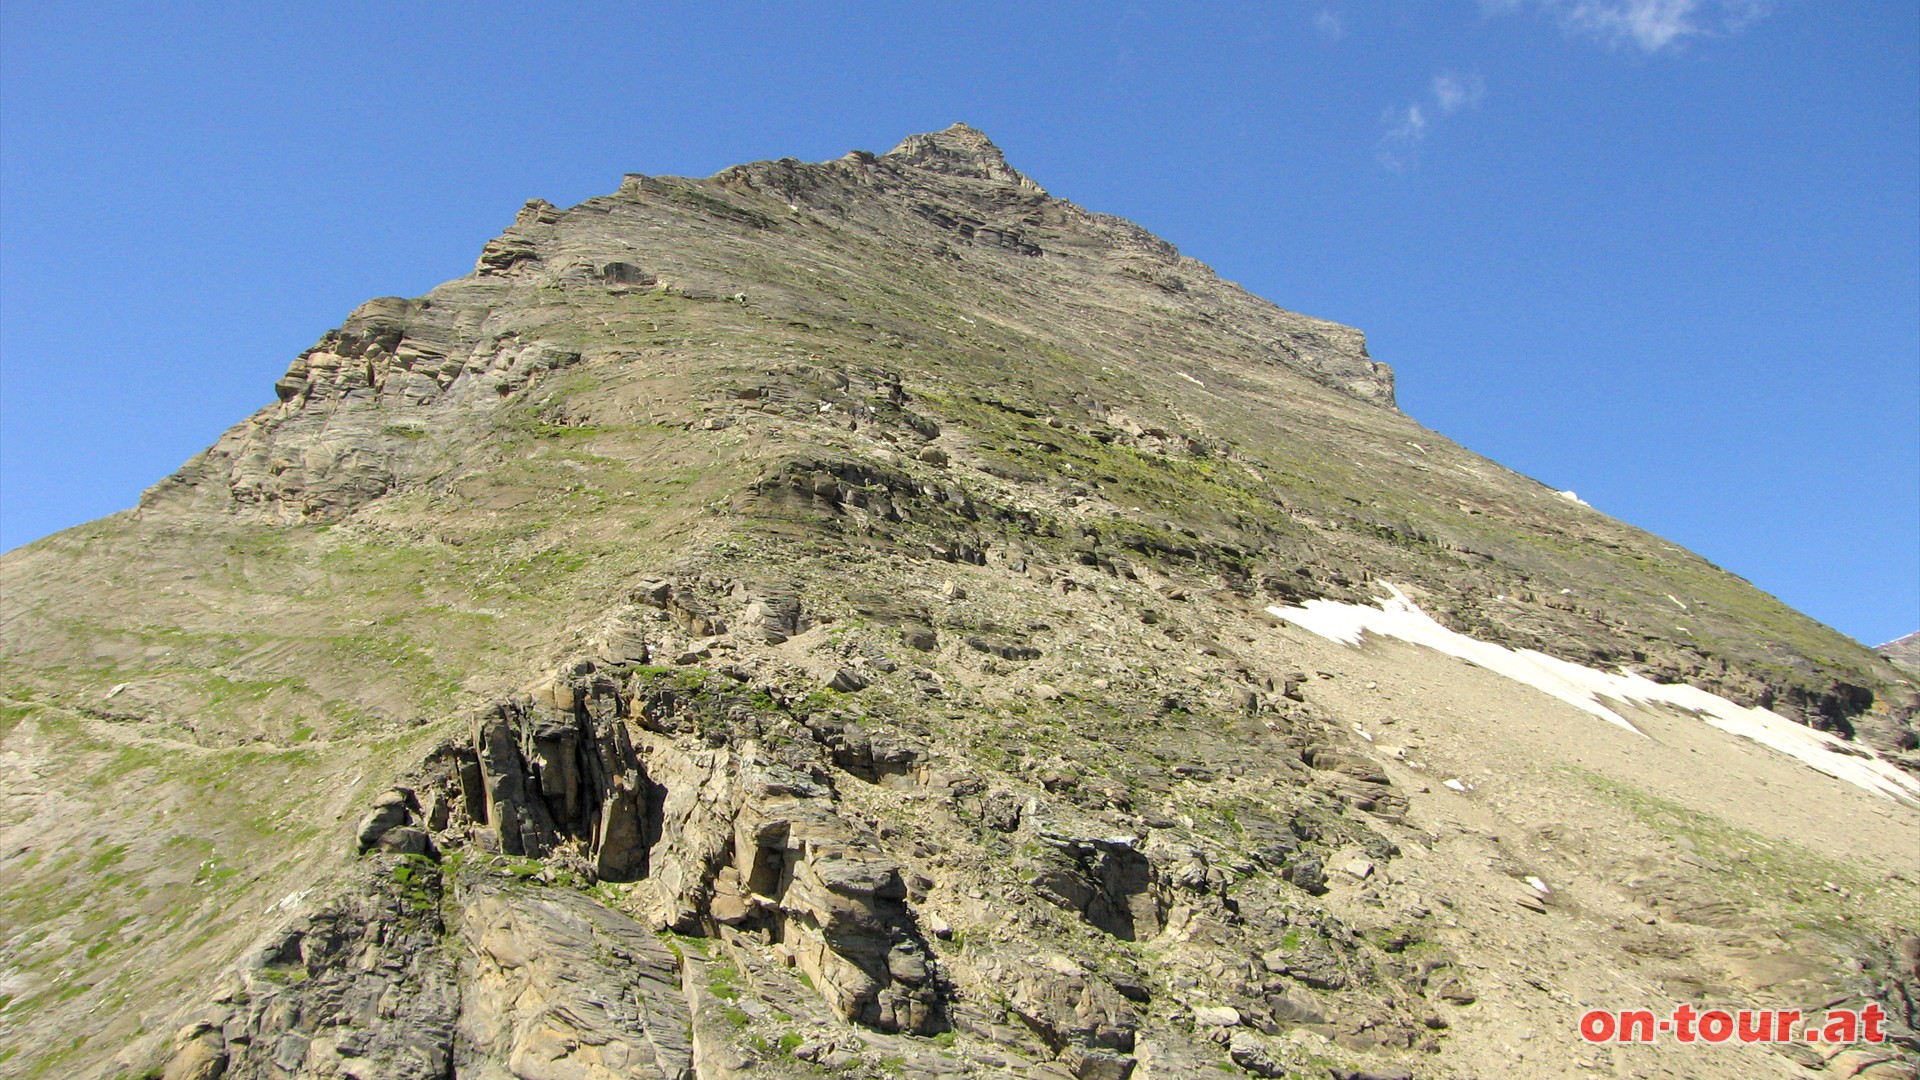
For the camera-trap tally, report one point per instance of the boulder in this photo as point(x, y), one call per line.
point(390, 811)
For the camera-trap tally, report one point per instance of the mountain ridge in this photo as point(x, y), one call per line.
point(1334, 356)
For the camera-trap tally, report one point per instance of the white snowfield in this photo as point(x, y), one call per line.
point(1584, 688)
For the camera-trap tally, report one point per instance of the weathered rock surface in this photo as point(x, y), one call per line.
point(557, 985)
point(405, 975)
point(366, 985)
point(754, 843)
point(560, 769)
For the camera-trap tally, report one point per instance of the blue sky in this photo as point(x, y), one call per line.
point(1665, 253)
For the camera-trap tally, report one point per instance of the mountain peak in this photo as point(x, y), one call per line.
point(903, 587)
point(960, 150)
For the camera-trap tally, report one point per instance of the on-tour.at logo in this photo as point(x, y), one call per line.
point(1686, 1024)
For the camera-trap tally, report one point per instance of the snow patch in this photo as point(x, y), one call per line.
point(1584, 688)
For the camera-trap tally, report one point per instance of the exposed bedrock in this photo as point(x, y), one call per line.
point(721, 836)
point(407, 975)
point(750, 842)
point(562, 768)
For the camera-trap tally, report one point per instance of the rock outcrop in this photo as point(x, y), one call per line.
point(726, 836)
point(559, 985)
point(752, 842)
point(408, 975)
point(367, 984)
point(556, 770)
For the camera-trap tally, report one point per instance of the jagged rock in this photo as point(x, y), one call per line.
point(1077, 1012)
point(363, 985)
point(546, 777)
point(961, 150)
point(371, 985)
point(1105, 880)
point(830, 902)
point(1252, 1053)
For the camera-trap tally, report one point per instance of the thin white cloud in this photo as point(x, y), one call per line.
point(1329, 26)
point(1649, 25)
point(1453, 92)
point(1408, 126)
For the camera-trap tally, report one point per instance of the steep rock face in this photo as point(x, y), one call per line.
point(719, 836)
point(817, 618)
point(549, 777)
point(756, 844)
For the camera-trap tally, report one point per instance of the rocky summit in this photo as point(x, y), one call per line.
point(873, 619)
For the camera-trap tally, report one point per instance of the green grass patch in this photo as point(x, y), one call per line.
point(723, 980)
